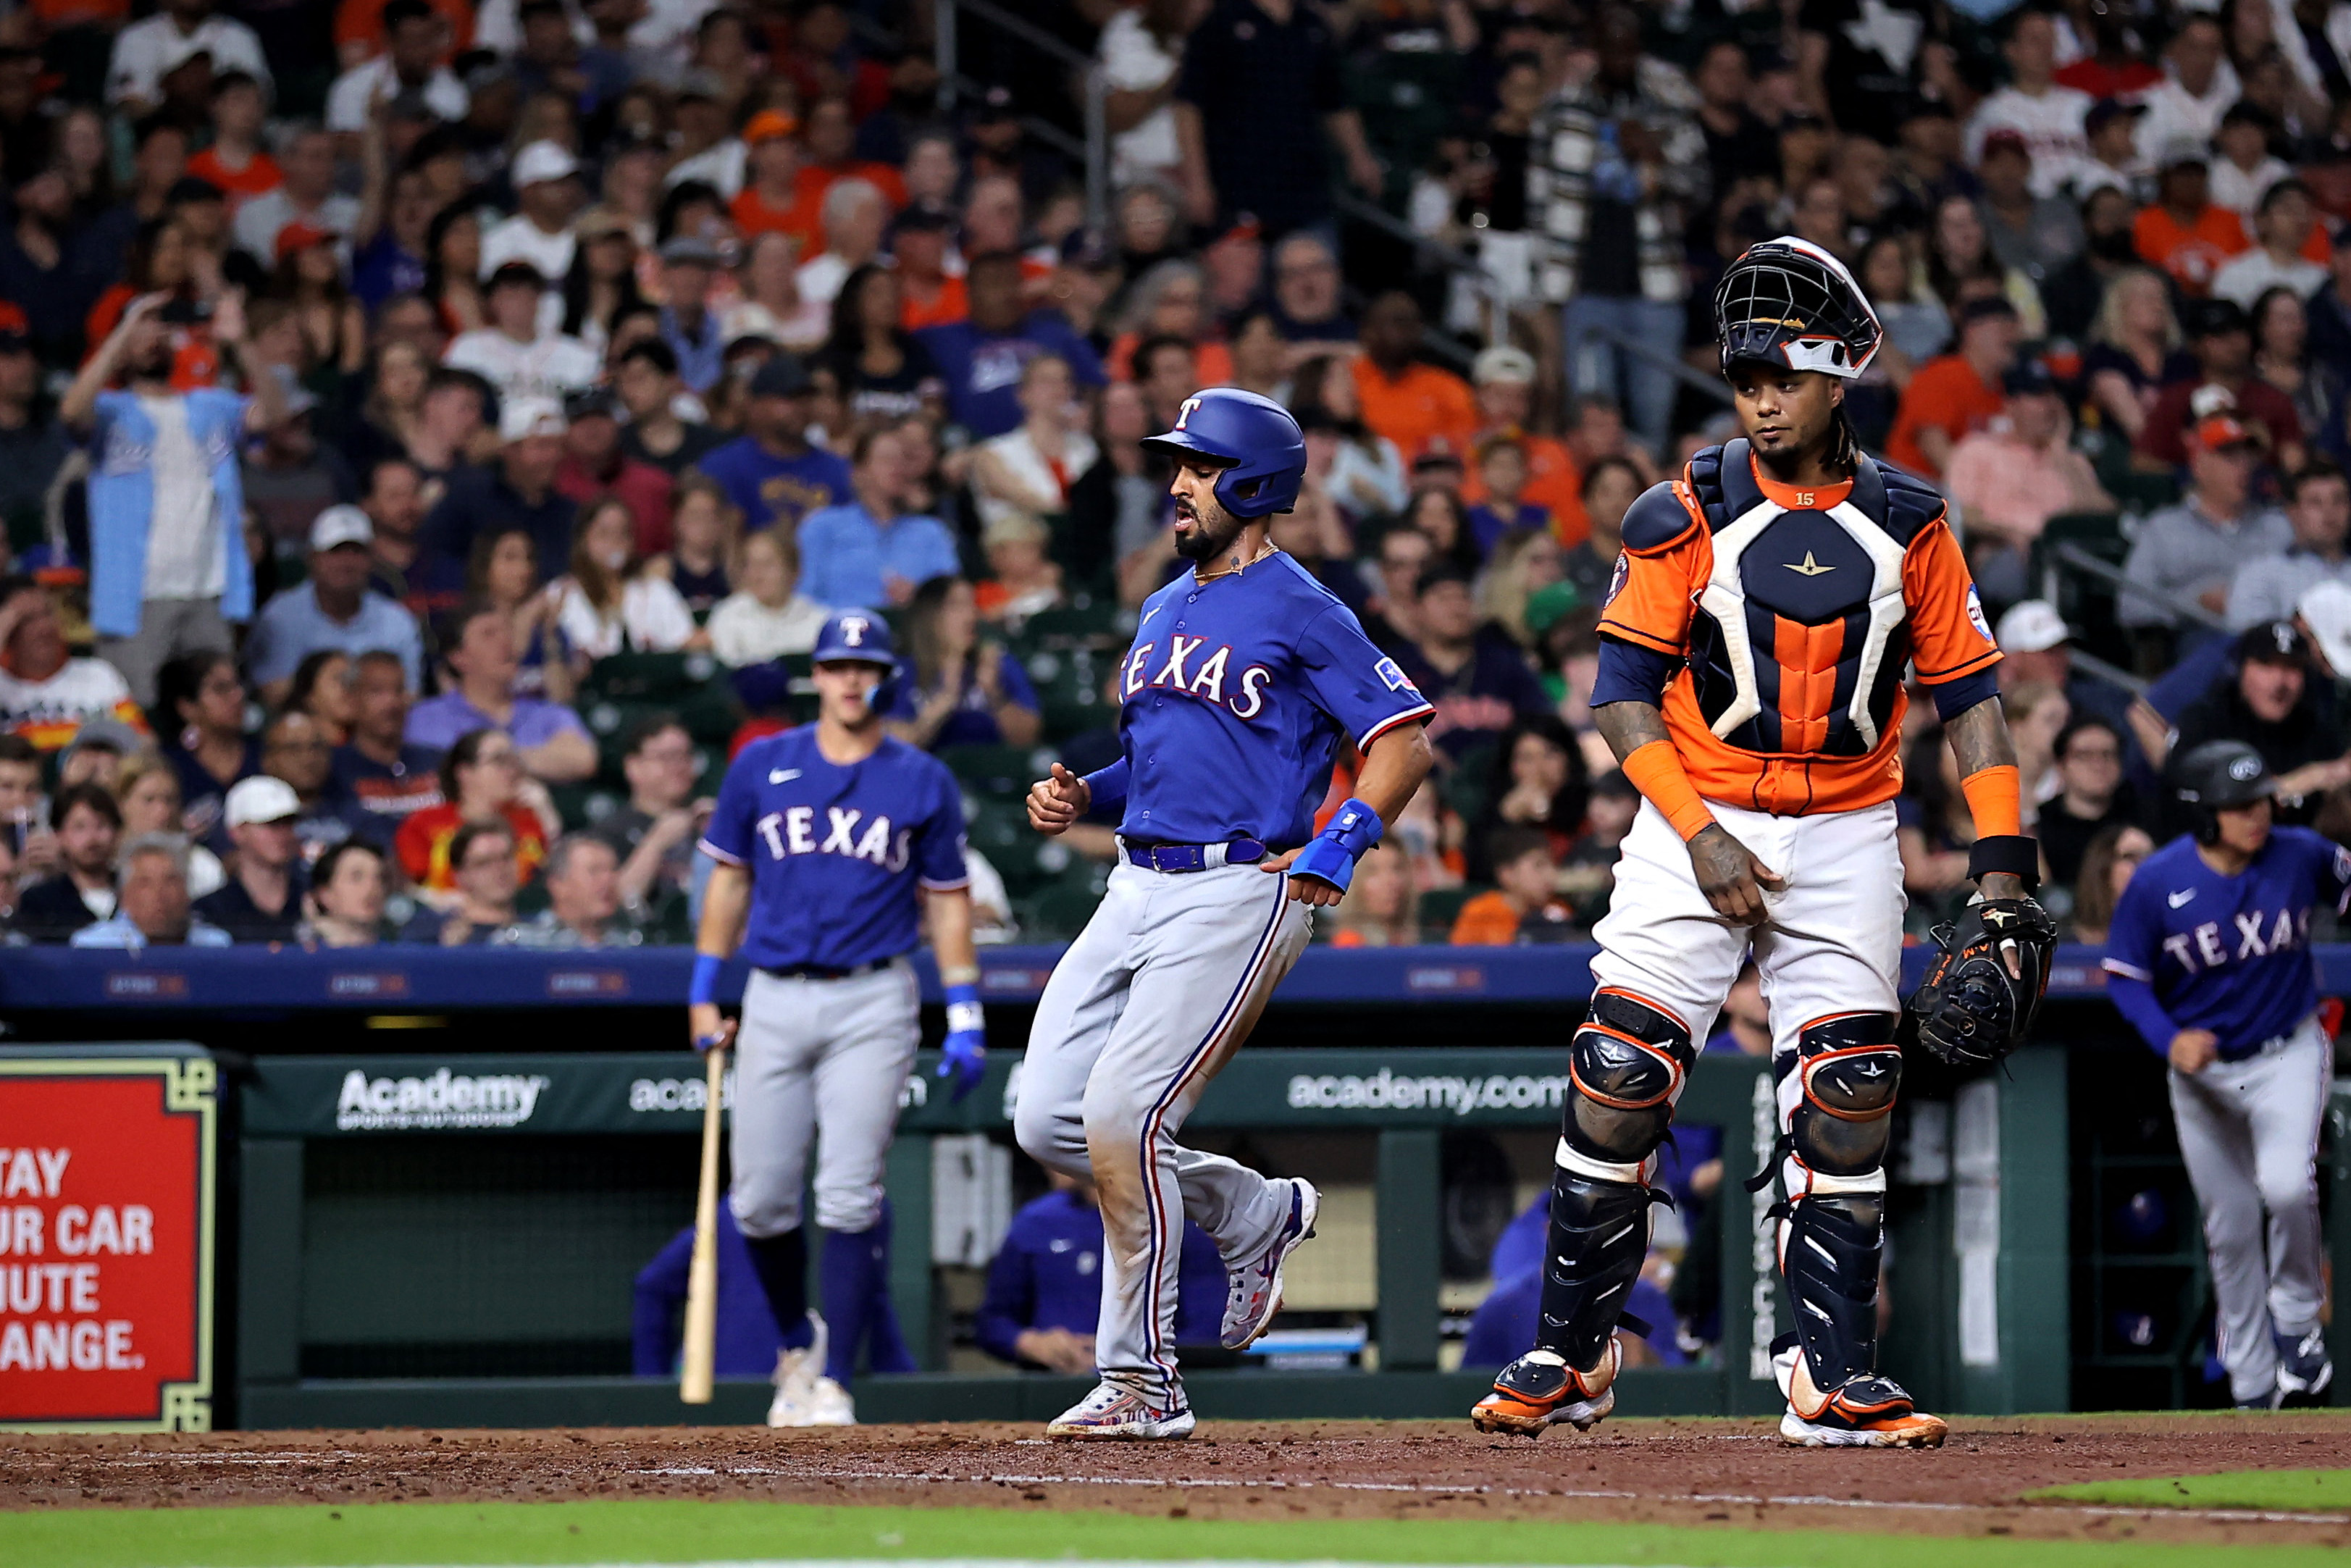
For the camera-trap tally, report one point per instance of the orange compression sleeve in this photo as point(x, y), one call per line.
point(1995, 796)
point(1655, 770)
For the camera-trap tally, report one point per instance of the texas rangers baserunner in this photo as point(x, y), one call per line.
point(2208, 959)
point(1244, 677)
point(1751, 683)
point(823, 836)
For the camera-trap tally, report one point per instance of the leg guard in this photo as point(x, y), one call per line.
point(1629, 1063)
point(1846, 1071)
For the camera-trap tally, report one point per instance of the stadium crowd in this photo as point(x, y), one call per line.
point(430, 435)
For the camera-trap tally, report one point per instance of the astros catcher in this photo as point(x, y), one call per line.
point(1751, 684)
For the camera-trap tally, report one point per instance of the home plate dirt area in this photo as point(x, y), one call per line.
point(1680, 1472)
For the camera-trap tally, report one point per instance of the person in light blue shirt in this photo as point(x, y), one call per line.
point(335, 608)
point(151, 901)
point(865, 551)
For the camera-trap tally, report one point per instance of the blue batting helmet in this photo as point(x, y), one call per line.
point(854, 637)
point(1254, 440)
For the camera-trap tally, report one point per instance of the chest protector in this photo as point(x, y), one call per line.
point(1798, 637)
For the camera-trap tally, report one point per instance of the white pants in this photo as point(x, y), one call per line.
point(2248, 1133)
point(1147, 1005)
point(1831, 944)
point(822, 1063)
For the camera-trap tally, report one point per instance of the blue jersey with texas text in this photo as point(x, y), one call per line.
point(2229, 954)
point(1234, 696)
point(835, 853)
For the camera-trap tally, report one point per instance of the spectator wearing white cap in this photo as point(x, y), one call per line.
point(334, 608)
point(2319, 505)
point(416, 42)
point(2037, 648)
point(152, 904)
point(1503, 378)
point(516, 493)
point(546, 183)
point(148, 50)
point(262, 901)
point(519, 353)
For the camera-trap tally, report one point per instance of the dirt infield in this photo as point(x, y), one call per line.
point(1655, 1471)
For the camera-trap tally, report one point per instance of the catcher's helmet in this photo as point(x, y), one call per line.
point(2216, 775)
point(1786, 301)
point(1252, 438)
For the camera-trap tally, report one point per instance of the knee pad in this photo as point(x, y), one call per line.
point(1847, 1071)
point(1829, 1251)
point(1629, 1063)
point(1599, 1235)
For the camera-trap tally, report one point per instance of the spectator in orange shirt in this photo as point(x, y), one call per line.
point(1406, 401)
point(772, 200)
point(831, 155)
point(359, 28)
point(1380, 909)
point(1504, 381)
point(1953, 394)
point(236, 162)
point(1519, 907)
point(2184, 233)
point(918, 245)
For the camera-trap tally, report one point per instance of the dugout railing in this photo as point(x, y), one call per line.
point(442, 1264)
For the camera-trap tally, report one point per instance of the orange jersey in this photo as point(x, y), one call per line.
point(1417, 406)
point(1795, 611)
point(2191, 253)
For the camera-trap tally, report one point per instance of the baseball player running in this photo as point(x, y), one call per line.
point(1244, 676)
point(822, 835)
point(1751, 683)
point(2209, 959)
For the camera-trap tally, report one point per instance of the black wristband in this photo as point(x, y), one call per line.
point(2012, 854)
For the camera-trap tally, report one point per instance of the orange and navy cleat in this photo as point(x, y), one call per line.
point(1539, 1389)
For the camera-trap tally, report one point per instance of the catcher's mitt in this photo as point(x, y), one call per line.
point(1982, 991)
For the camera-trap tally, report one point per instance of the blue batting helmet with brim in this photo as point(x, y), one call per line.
point(1252, 438)
point(855, 637)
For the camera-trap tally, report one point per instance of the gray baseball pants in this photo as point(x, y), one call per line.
point(820, 1061)
point(1147, 1005)
point(2248, 1132)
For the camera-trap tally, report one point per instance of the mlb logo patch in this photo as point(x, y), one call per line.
point(1616, 578)
point(1976, 615)
point(1392, 675)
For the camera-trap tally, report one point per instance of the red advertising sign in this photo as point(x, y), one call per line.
point(106, 1242)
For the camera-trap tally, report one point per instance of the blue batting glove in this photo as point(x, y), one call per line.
point(1332, 854)
point(966, 1046)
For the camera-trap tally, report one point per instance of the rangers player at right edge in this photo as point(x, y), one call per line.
point(2209, 960)
point(1750, 682)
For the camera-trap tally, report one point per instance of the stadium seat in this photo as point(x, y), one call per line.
point(1085, 622)
point(997, 772)
point(1060, 909)
point(1069, 690)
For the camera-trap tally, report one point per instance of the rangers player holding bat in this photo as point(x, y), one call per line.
point(1751, 684)
point(2209, 960)
point(1245, 674)
point(831, 842)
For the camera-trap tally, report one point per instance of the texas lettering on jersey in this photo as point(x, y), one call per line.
point(2254, 934)
point(1234, 697)
point(793, 832)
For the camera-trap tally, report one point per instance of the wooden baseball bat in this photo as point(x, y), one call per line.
point(702, 1276)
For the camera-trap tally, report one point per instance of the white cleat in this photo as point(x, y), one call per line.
point(1254, 1289)
point(829, 1405)
point(1114, 1413)
point(798, 1400)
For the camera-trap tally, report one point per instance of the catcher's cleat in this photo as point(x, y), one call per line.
point(1254, 1289)
point(1866, 1411)
point(1113, 1413)
point(1539, 1389)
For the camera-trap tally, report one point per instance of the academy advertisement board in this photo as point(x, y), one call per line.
point(106, 1239)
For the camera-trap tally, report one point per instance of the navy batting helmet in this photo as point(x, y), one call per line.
point(2216, 775)
point(860, 637)
point(1252, 438)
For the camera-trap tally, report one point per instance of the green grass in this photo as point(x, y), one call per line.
point(686, 1530)
point(2321, 1490)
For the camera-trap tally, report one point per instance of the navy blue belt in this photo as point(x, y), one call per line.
point(1176, 859)
point(826, 971)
